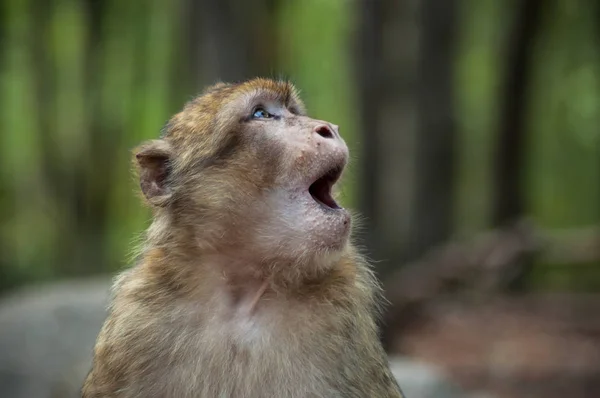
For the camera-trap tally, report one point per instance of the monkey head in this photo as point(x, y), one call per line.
point(243, 169)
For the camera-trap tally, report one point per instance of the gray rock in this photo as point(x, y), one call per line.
point(420, 380)
point(47, 334)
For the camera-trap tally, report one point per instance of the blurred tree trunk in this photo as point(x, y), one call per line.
point(386, 60)
point(434, 147)
point(72, 183)
point(597, 41)
point(509, 196)
point(431, 222)
point(231, 40)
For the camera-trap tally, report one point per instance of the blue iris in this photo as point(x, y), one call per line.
point(260, 113)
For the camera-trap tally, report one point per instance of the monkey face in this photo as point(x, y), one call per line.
point(245, 167)
point(304, 158)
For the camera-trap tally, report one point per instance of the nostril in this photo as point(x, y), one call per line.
point(324, 131)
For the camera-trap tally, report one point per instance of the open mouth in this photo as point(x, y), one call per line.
point(320, 190)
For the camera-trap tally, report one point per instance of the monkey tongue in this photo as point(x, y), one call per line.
point(320, 190)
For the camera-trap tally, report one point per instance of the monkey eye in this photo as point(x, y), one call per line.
point(260, 113)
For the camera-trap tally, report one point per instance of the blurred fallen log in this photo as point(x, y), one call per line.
point(486, 264)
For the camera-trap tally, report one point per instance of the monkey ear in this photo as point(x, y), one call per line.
point(154, 164)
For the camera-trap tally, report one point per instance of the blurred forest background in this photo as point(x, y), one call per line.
point(474, 128)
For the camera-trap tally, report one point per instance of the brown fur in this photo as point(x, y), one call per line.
point(205, 313)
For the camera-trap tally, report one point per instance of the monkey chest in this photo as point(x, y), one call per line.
point(253, 359)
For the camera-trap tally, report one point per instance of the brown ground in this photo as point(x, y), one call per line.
point(532, 346)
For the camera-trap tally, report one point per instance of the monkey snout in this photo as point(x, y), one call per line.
point(327, 137)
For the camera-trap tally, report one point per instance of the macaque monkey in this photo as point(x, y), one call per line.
point(247, 285)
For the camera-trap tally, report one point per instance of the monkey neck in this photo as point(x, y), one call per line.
point(243, 282)
point(180, 261)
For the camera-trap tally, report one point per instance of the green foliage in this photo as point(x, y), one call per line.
point(79, 88)
point(564, 165)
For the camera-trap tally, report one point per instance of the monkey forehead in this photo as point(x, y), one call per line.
point(283, 90)
point(262, 91)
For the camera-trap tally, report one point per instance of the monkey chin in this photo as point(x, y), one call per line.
point(301, 227)
point(328, 227)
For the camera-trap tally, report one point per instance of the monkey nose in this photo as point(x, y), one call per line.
point(326, 131)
